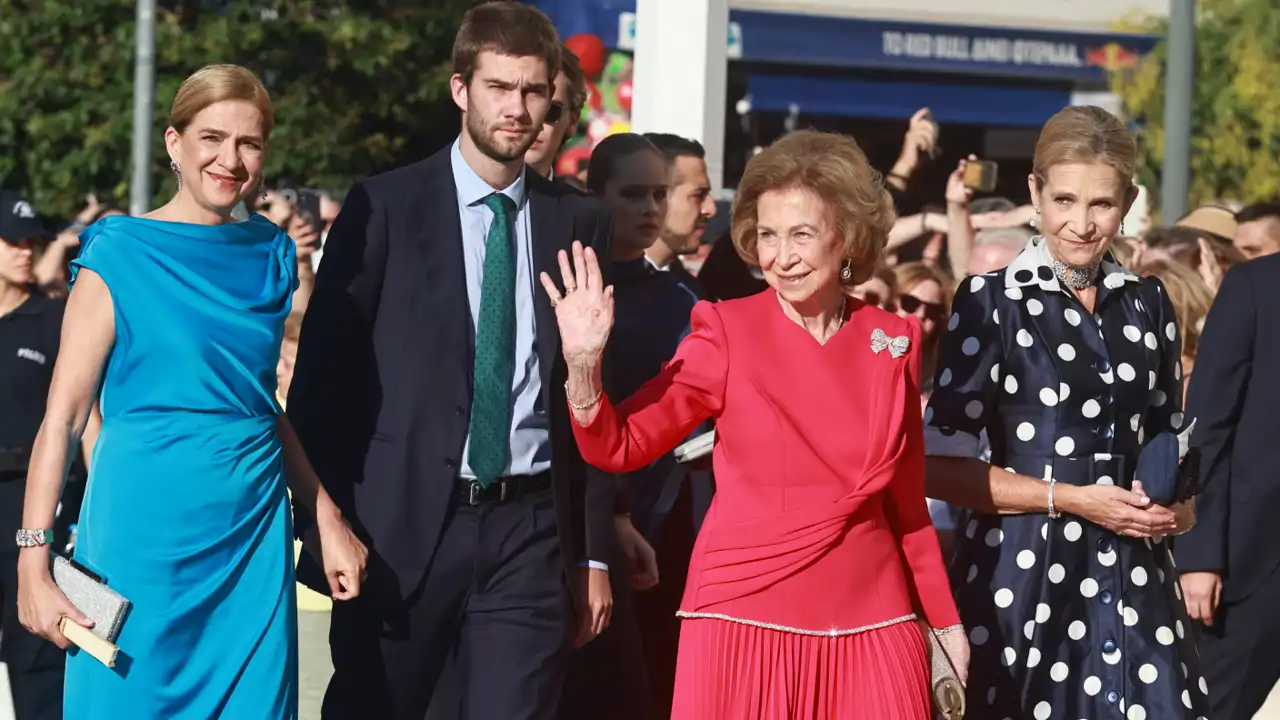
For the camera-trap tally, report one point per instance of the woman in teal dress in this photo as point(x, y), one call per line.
point(174, 326)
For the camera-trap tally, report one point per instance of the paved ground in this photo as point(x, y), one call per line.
point(313, 645)
point(314, 666)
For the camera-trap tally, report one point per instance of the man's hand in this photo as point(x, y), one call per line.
point(1201, 591)
point(921, 135)
point(595, 604)
point(641, 559)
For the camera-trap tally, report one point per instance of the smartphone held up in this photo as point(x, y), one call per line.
point(980, 175)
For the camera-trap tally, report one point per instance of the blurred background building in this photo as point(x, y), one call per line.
point(991, 71)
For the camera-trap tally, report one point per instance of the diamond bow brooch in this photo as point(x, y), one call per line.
point(897, 345)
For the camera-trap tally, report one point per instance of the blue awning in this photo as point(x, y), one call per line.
point(602, 18)
point(838, 42)
point(950, 103)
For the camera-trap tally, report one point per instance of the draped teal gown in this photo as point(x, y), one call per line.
point(186, 512)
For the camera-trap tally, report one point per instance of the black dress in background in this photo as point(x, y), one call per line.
point(1065, 618)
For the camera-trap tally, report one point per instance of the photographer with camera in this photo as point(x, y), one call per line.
point(30, 327)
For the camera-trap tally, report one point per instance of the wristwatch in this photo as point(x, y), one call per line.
point(34, 538)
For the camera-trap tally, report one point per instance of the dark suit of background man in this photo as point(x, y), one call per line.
point(1230, 561)
point(429, 393)
point(654, 298)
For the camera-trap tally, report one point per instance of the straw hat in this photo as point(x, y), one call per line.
point(1212, 220)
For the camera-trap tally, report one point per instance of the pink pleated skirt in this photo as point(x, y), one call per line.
point(733, 671)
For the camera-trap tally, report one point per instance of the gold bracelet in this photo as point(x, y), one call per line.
point(948, 630)
point(591, 403)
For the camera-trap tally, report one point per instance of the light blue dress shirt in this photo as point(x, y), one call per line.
point(530, 429)
point(530, 434)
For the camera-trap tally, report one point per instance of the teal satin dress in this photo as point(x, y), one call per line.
point(186, 512)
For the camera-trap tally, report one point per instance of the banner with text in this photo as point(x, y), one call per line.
point(856, 43)
point(845, 42)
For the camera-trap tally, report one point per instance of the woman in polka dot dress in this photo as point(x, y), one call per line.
point(1069, 362)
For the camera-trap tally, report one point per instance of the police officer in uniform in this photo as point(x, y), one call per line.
point(30, 325)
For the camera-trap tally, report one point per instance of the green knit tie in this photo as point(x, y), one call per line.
point(495, 359)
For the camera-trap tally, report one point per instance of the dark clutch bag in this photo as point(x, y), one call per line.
point(1169, 474)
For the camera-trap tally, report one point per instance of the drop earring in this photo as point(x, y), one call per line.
point(177, 171)
point(846, 272)
point(262, 191)
point(1035, 218)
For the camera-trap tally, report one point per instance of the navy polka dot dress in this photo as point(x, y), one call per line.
point(1065, 618)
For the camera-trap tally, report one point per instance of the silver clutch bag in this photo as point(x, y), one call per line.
point(948, 693)
point(104, 606)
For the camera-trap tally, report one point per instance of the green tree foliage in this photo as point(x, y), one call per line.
point(359, 87)
point(1235, 152)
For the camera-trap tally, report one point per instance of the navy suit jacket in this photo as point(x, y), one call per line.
point(651, 318)
point(1235, 399)
point(381, 391)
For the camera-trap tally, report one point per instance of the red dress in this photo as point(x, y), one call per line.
point(817, 553)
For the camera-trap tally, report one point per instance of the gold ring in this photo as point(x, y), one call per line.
point(555, 302)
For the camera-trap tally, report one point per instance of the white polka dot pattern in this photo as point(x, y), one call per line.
point(1089, 623)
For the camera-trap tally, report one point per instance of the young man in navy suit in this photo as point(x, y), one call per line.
point(429, 394)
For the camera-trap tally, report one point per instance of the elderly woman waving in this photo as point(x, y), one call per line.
point(817, 568)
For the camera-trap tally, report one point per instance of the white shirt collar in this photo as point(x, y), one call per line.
point(1033, 266)
point(472, 189)
point(658, 267)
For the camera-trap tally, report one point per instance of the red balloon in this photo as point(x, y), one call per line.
point(590, 51)
point(624, 95)
point(573, 161)
point(594, 100)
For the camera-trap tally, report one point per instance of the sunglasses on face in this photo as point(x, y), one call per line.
point(910, 304)
point(555, 113)
point(873, 299)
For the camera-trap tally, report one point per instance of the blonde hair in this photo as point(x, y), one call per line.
point(886, 275)
point(909, 275)
point(216, 83)
point(1085, 135)
point(1190, 296)
point(835, 169)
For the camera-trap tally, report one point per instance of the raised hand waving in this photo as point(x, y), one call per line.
point(584, 311)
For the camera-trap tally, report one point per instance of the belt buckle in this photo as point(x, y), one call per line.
point(475, 489)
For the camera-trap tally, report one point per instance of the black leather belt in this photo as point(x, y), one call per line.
point(505, 489)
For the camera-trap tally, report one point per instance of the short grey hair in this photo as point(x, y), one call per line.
point(1012, 237)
